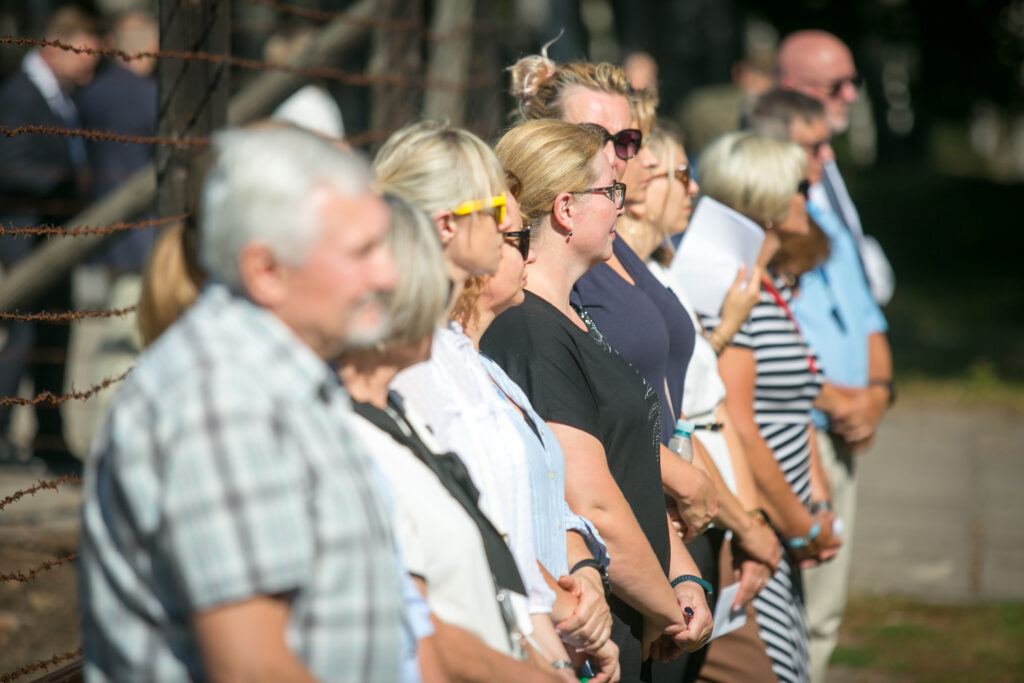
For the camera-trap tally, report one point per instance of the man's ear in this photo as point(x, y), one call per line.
point(444, 221)
point(262, 276)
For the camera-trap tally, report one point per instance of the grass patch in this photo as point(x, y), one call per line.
point(933, 643)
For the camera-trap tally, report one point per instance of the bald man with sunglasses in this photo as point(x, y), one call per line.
point(820, 65)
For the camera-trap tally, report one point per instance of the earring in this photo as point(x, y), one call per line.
point(768, 225)
point(570, 234)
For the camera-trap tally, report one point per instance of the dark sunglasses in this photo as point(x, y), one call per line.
point(626, 142)
point(520, 239)
point(616, 193)
point(682, 174)
point(804, 188)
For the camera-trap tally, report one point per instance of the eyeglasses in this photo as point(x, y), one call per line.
point(496, 202)
point(804, 188)
point(626, 142)
point(682, 174)
point(616, 193)
point(519, 239)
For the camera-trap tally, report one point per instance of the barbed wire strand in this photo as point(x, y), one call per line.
point(41, 485)
point(104, 136)
point(21, 577)
point(47, 229)
point(324, 72)
point(56, 399)
point(69, 316)
point(42, 664)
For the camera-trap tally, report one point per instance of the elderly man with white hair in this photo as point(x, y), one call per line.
point(232, 529)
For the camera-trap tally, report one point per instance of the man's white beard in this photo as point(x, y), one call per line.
point(364, 334)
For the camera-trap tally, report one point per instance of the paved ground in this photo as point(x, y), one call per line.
point(941, 505)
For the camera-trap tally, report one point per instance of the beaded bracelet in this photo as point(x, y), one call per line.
point(696, 579)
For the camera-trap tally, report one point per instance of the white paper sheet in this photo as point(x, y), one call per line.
point(726, 619)
point(717, 242)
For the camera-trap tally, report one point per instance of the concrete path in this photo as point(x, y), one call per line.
point(941, 505)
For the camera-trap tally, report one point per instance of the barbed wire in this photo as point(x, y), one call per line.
point(323, 72)
point(68, 316)
point(56, 399)
point(42, 664)
point(47, 229)
point(41, 485)
point(22, 577)
point(104, 136)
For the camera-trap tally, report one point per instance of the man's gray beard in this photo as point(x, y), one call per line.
point(365, 337)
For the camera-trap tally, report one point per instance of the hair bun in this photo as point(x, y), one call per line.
point(527, 76)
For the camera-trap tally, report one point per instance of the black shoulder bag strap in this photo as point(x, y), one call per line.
point(453, 474)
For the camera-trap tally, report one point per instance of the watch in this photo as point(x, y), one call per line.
point(594, 564)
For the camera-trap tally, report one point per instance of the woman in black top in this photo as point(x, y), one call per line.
point(605, 416)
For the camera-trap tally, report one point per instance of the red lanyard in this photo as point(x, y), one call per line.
point(789, 314)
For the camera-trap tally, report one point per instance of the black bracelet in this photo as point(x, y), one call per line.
point(696, 579)
point(594, 564)
point(887, 383)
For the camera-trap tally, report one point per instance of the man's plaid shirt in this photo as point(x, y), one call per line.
point(224, 471)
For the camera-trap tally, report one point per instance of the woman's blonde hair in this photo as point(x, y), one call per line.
point(419, 299)
point(169, 285)
point(437, 166)
point(540, 86)
point(753, 174)
point(548, 156)
point(663, 143)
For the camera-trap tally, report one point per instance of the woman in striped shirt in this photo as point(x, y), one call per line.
point(772, 378)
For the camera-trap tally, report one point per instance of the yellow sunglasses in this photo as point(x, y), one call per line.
point(496, 202)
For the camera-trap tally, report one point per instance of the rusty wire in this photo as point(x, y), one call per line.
point(68, 316)
point(104, 136)
point(47, 229)
point(324, 73)
point(56, 399)
point(22, 577)
point(42, 664)
point(41, 485)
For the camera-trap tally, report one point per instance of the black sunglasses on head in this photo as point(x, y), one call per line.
point(520, 239)
point(626, 142)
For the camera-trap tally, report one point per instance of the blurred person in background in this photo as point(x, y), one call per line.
point(269, 551)
point(596, 404)
point(43, 182)
point(771, 378)
point(121, 99)
point(753, 553)
point(820, 65)
point(845, 326)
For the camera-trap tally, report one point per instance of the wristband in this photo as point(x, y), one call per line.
point(605, 581)
point(887, 383)
point(696, 579)
point(804, 541)
point(562, 664)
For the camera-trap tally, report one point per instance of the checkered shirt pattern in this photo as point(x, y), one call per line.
point(225, 471)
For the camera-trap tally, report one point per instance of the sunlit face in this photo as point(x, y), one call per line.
point(608, 110)
point(332, 299)
point(639, 171)
point(476, 247)
point(796, 221)
point(504, 289)
point(814, 137)
point(828, 75)
point(669, 202)
point(71, 68)
point(596, 213)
